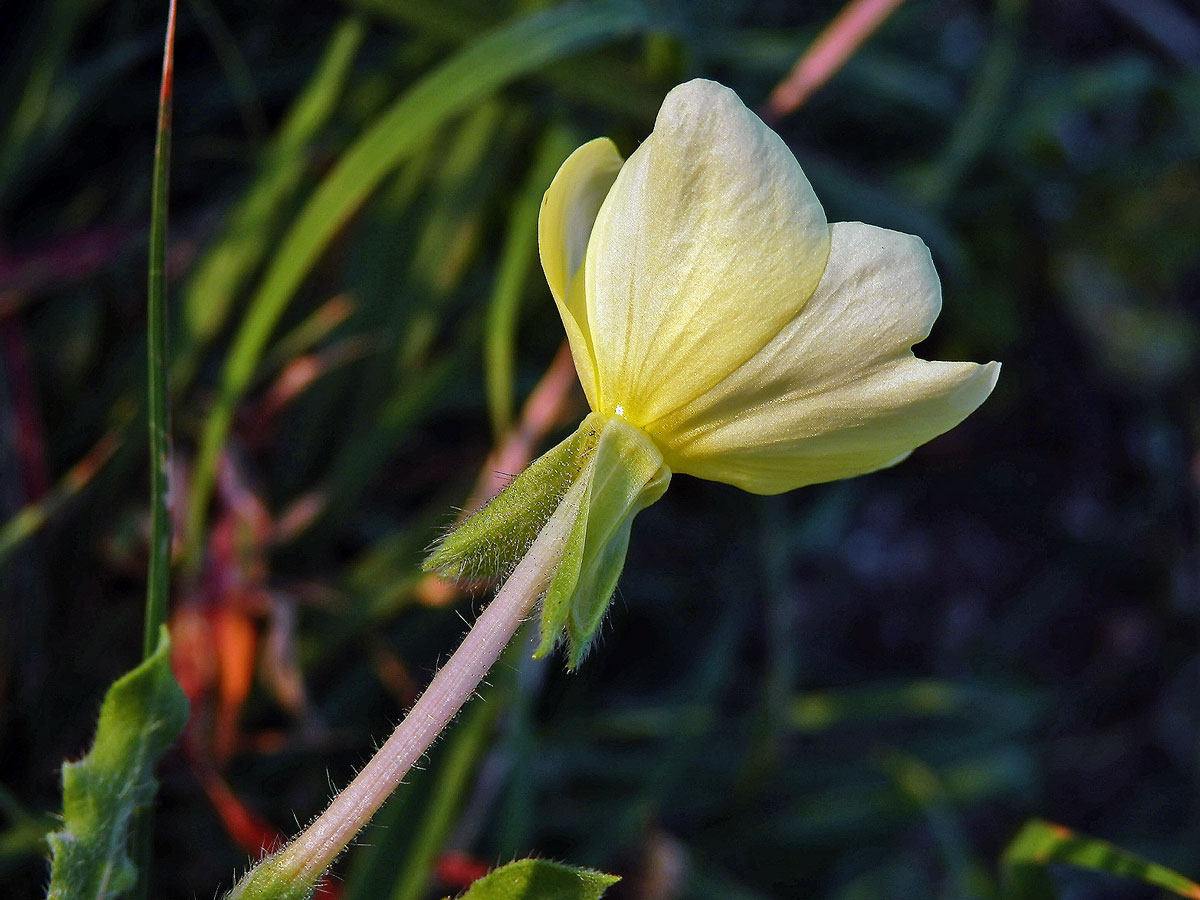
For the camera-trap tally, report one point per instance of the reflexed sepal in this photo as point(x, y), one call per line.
point(492, 541)
point(626, 474)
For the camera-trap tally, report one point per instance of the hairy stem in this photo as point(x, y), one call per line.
point(318, 845)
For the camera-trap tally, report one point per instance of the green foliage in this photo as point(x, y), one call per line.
point(843, 694)
point(143, 713)
point(538, 879)
point(395, 135)
point(516, 261)
point(272, 879)
point(1039, 845)
point(245, 237)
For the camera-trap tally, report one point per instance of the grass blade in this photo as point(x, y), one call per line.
point(473, 73)
point(245, 238)
point(1040, 844)
point(158, 580)
point(158, 576)
point(520, 250)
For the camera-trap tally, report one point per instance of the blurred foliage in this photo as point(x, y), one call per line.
point(858, 691)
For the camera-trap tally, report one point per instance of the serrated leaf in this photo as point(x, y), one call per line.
point(537, 879)
point(1040, 844)
point(143, 713)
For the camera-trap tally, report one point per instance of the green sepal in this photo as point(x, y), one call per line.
point(626, 474)
point(539, 879)
point(274, 877)
point(143, 713)
point(492, 541)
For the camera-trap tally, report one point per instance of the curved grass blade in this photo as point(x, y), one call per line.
point(468, 76)
point(243, 241)
point(1040, 844)
point(519, 251)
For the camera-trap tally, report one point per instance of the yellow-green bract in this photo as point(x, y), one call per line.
point(722, 328)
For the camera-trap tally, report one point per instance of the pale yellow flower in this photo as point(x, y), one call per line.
point(709, 303)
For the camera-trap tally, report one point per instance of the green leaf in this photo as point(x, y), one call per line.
point(492, 541)
point(516, 260)
point(249, 228)
point(626, 475)
point(1040, 844)
point(158, 574)
point(142, 714)
point(537, 879)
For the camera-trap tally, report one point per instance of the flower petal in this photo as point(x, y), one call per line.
point(838, 391)
point(709, 242)
point(564, 225)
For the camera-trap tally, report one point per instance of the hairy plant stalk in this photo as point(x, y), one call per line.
point(307, 857)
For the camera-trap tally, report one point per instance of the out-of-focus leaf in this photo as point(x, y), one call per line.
point(516, 259)
point(1141, 344)
point(471, 74)
point(1040, 844)
point(538, 879)
point(246, 235)
point(142, 714)
point(61, 23)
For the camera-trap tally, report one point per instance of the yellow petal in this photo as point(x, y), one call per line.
point(838, 391)
point(564, 225)
point(709, 242)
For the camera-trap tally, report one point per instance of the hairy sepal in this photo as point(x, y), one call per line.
point(491, 542)
point(625, 475)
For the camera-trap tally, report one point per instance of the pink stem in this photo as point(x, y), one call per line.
point(316, 848)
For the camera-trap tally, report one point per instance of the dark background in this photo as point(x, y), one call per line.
point(855, 691)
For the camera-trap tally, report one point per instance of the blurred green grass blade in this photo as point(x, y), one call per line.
point(923, 787)
point(232, 61)
point(923, 698)
point(975, 125)
point(413, 397)
point(587, 78)
point(443, 20)
point(142, 714)
point(246, 236)
point(512, 272)
point(404, 287)
point(467, 77)
point(31, 517)
point(1040, 844)
point(449, 240)
point(62, 21)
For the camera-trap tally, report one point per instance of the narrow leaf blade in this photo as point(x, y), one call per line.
point(1040, 844)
